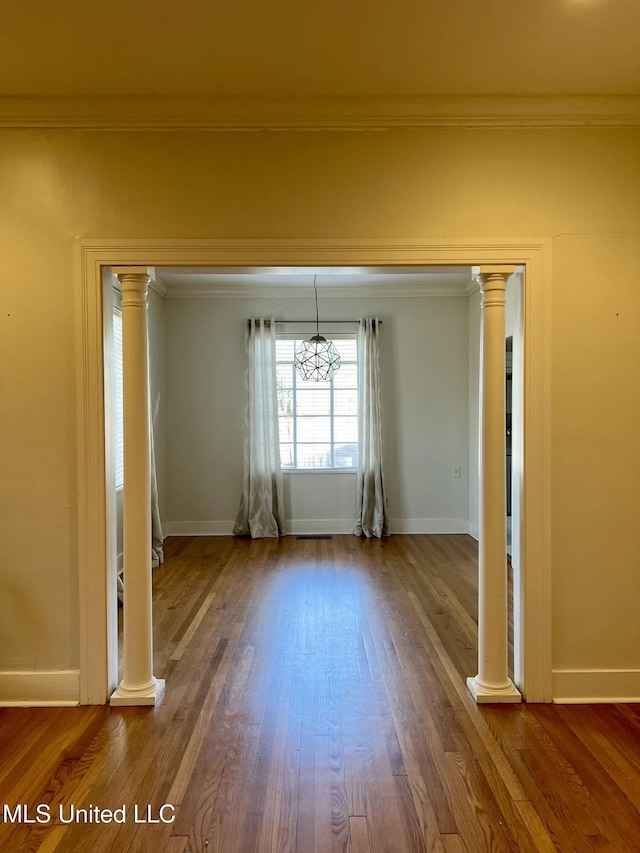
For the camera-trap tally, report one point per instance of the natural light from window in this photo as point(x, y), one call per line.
point(117, 398)
point(318, 421)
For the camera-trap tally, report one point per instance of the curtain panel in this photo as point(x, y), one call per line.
point(157, 537)
point(261, 512)
point(371, 499)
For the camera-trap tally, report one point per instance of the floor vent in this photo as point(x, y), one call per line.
point(314, 536)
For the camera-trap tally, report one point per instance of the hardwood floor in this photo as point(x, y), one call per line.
point(316, 702)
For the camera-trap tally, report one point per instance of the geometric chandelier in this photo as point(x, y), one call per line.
point(317, 359)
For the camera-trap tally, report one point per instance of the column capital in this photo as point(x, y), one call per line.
point(149, 272)
point(504, 270)
point(493, 284)
point(134, 284)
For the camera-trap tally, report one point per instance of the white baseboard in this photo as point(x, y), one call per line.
point(474, 530)
point(199, 528)
point(292, 525)
point(588, 686)
point(428, 525)
point(40, 688)
point(302, 526)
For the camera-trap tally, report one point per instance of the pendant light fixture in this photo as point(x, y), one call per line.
point(316, 359)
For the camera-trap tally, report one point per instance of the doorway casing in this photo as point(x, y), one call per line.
point(97, 605)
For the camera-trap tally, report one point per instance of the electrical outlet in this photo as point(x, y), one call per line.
point(456, 471)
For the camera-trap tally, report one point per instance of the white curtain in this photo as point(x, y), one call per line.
point(157, 538)
point(371, 507)
point(261, 511)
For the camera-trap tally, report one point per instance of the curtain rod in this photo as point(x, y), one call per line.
point(324, 322)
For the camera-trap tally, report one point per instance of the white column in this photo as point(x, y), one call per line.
point(492, 683)
point(139, 686)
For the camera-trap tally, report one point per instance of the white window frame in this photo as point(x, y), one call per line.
point(347, 336)
point(118, 403)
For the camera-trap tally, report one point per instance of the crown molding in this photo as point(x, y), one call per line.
point(208, 290)
point(318, 113)
point(159, 286)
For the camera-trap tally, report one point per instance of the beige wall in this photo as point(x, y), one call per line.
point(580, 187)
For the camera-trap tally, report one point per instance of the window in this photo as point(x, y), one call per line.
point(318, 421)
point(117, 397)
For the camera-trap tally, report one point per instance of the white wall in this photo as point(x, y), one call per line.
point(513, 329)
point(474, 414)
point(110, 282)
point(156, 326)
point(424, 358)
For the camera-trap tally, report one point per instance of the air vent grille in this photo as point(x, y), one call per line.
point(314, 536)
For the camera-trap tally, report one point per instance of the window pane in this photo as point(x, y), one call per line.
point(284, 350)
point(285, 403)
point(286, 455)
point(118, 398)
point(284, 376)
point(347, 349)
point(310, 384)
point(345, 429)
point(346, 377)
point(285, 427)
point(321, 415)
point(314, 456)
point(345, 456)
point(316, 402)
point(314, 429)
point(345, 402)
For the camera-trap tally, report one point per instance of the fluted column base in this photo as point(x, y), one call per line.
point(148, 694)
point(484, 694)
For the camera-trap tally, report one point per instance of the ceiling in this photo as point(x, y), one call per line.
point(300, 48)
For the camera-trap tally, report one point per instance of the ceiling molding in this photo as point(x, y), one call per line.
point(315, 113)
point(159, 286)
point(211, 290)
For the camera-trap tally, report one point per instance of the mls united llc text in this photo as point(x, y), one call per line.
point(43, 813)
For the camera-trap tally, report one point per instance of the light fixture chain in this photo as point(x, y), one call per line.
point(315, 289)
point(316, 359)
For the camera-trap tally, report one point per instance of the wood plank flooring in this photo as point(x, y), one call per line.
point(316, 702)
